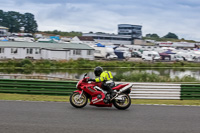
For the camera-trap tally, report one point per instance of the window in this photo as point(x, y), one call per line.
point(29, 51)
point(37, 51)
point(1, 50)
point(14, 50)
point(89, 52)
point(77, 52)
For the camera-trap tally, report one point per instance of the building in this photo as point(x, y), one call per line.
point(3, 31)
point(135, 31)
point(110, 38)
point(126, 35)
point(51, 51)
point(177, 44)
point(83, 39)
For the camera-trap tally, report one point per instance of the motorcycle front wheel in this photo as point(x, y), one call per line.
point(78, 101)
point(122, 102)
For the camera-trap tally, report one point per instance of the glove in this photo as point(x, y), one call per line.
point(91, 80)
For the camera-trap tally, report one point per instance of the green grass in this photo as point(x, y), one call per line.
point(23, 97)
point(82, 63)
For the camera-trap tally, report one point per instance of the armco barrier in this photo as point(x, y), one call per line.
point(190, 91)
point(155, 91)
point(139, 90)
point(43, 87)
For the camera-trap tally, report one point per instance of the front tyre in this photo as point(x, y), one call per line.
point(122, 102)
point(77, 101)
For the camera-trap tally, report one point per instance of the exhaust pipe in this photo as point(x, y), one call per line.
point(122, 90)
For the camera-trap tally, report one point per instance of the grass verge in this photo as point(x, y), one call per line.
point(24, 97)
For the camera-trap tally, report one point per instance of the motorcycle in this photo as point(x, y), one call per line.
point(99, 97)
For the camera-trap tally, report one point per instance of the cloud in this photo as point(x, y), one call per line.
point(156, 16)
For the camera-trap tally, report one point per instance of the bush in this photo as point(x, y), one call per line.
point(25, 62)
point(146, 77)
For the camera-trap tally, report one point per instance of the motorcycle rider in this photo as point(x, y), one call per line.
point(105, 77)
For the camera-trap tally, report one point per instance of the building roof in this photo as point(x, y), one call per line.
point(2, 27)
point(85, 38)
point(106, 35)
point(45, 45)
point(128, 25)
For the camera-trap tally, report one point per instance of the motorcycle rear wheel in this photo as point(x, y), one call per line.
point(78, 102)
point(122, 104)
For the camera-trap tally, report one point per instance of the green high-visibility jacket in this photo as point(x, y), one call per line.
point(105, 76)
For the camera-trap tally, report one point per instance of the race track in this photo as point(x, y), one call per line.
point(57, 117)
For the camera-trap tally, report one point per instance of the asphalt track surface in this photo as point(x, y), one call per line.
point(57, 117)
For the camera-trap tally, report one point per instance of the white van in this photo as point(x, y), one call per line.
point(104, 52)
point(176, 57)
point(150, 55)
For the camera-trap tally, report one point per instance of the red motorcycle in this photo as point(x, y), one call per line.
point(99, 97)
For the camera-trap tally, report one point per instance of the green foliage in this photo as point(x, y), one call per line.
point(29, 23)
point(25, 62)
point(146, 77)
point(171, 35)
point(88, 64)
point(15, 21)
point(71, 34)
point(78, 66)
point(152, 35)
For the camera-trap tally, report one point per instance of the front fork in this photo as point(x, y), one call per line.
point(80, 94)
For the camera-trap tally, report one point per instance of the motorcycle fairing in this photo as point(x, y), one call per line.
point(99, 102)
point(119, 86)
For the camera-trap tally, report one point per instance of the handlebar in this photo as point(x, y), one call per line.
point(84, 75)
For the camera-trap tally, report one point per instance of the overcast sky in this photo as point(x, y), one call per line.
point(181, 17)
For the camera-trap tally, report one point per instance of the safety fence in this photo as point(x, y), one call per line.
point(155, 91)
point(138, 91)
point(39, 87)
point(190, 91)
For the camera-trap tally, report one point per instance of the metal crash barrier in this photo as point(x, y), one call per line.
point(138, 91)
point(155, 91)
point(39, 87)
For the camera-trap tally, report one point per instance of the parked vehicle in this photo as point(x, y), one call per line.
point(104, 52)
point(187, 56)
point(123, 53)
point(176, 57)
point(98, 97)
point(22, 39)
point(150, 55)
point(136, 54)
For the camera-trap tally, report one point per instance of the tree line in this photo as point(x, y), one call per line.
point(169, 35)
point(62, 33)
point(17, 22)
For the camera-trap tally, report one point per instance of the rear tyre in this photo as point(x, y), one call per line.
point(78, 102)
point(124, 103)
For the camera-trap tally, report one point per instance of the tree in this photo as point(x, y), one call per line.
point(16, 21)
point(171, 35)
point(11, 19)
point(148, 35)
point(154, 35)
point(56, 32)
point(1, 17)
point(29, 23)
